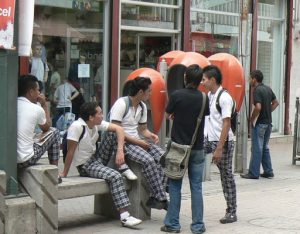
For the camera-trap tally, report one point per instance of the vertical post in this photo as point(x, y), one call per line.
point(296, 134)
point(8, 109)
point(242, 131)
point(163, 69)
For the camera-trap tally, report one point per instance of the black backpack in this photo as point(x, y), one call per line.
point(234, 113)
point(64, 142)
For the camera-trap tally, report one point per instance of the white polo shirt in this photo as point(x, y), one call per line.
point(87, 145)
point(28, 116)
point(214, 121)
point(63, 93)
point(132, 119)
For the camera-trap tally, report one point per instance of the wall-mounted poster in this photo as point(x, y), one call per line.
point(7, 12)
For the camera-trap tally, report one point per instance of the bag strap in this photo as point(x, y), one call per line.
point(199, 119)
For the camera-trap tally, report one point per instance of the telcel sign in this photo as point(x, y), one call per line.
point(7, 12)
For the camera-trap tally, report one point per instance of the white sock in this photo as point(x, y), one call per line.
point(123, 167)
point(124, 215)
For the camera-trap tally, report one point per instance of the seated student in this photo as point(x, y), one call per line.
point(141, 150)
point(92, 163)
point(29, 115)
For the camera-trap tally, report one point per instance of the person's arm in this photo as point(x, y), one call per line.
point(133, 140)
point(144, 131)
point(42, 100)
point(255, 112)
point(120, 138)
point(75, 94)
point(72, 145)
point(274, 104)
point(224, 133)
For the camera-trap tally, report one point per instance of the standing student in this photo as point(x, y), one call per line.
point(265, 103)
point(187, 100)
point(220, 137)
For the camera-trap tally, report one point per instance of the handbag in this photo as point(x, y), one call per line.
point(176, 158)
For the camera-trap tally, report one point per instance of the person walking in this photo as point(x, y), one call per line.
point(187, 100)
point(265, 103)
point(219, 137)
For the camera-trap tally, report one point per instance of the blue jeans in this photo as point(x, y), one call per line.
point(195, 172)
point(260, 149)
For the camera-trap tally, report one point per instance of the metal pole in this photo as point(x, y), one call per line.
point(163, 69)
point(242, 131)
point(8, 112)
point(295, 143)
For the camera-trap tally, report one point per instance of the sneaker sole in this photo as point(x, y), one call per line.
point(129, 226)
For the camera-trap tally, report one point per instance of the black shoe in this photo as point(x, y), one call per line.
point(248, 176)
point(167, 229)
point(228, 218)
point(267, 175)
point(199, 232)
point(156, 204)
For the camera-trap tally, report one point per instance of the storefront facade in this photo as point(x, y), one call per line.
point(217, 26)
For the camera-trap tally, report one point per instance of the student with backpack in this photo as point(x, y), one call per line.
point(140, 143)
point(89, 162)
point(219, 137)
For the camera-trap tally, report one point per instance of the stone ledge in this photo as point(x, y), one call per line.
point(76, 186)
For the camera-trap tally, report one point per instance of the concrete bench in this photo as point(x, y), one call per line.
point(40, 181)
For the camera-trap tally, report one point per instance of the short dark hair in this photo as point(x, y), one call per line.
point(26, 83)
point(213, 71)
point(193, 74)
point(137, 84)
point(88, 109)
point(258, 75)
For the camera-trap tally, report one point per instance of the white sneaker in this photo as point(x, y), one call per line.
point(129, 174)
point(130, 221)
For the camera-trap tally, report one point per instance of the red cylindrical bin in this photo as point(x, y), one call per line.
point(233, 75)
point(158, 95)
point(178, 66)
point(169, 57)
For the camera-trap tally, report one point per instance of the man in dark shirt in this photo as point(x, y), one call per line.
point(265, 102)
point(184, 108)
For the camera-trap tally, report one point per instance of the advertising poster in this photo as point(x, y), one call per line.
point(7, 12)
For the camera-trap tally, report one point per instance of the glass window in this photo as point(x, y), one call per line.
point(70, 34)
point(214, 27)
point(270, 51)
point(159, 14)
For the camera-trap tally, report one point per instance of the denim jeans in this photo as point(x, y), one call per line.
point(195, 173)
point(260, 149)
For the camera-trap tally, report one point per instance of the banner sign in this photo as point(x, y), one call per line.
point(7, 12)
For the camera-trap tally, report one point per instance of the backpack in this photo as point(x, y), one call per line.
point(64, 142)
point(234, 113)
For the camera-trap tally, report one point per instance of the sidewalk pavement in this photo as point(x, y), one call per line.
point(265, 206)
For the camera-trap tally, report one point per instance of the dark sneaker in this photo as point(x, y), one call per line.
point(199, 232)
point(228, 218)
point(59, 180)
point(249, 176)
point(167, 229)
point(156, 204)
point(267, 175)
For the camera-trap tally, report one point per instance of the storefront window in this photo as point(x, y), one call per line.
point(270, 51)
point(215, 27)
point(70, 34)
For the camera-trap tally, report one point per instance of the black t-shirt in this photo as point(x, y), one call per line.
point(264, 95)
point(186, 104)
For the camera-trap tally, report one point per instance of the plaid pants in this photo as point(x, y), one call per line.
point(225, 168)
point(96, 167)
point(52, 145)
point(151, 168)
